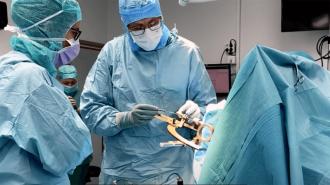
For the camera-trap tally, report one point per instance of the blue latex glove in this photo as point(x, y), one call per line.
point(139, 115)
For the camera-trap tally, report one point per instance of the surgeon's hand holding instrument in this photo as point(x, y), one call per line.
point(139, 115)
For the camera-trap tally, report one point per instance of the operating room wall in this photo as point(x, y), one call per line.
point(95, 20)
point(261, 24)
point(211, 25)
point(4, 36)
point(94, 28)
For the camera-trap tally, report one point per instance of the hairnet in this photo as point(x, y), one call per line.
point(27, 13)
point(134, 10)
point(67, 71)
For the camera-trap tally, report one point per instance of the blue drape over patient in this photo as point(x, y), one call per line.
point(275, 128)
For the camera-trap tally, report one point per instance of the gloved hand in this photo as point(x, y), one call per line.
point(140, 114)
point(73, 102)
point(191, 109)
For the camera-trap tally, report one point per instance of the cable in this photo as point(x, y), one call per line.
point(179, 179)
point(319, 48)
point(224, 51)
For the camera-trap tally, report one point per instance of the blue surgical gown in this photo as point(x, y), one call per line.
point(42, 138)
point(275, 128)
point(121, 79)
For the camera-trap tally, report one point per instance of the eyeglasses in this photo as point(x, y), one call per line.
point(76, 33)
point(139, 30)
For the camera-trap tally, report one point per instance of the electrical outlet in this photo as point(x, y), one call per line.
point(229, 53)
point(231, 59)
point(231, 47)
point(227, 48)
point(231, 50)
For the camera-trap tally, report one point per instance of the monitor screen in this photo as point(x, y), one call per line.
point(304, 15)
point(220, 75)
point(3, 15)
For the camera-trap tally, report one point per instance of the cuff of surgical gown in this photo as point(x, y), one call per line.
point(122, 120)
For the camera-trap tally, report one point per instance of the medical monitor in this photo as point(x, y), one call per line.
point(305, 15)
point(220, 75)
point(3, 15)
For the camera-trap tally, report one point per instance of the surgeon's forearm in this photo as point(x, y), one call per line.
point(101, 120)
point(106, 127)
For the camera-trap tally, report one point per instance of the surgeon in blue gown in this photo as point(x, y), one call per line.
point(42, 138)
point(68, 76)
point(146, 69)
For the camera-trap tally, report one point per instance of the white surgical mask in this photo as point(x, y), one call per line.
point(149, 40)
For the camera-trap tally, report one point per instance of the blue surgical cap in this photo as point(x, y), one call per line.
point(27, 13)
point(135, 10)
point(67, 71)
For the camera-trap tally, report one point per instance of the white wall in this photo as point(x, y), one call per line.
point(95, 20)
point(210, 25)
point(94, 28)
point(114, 25)
point(261, 23)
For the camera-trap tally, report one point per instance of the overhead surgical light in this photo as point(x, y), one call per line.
point(185, 2)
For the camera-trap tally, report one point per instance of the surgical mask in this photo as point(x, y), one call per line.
point(149, 40)
point(71, 90)
point(68, 54)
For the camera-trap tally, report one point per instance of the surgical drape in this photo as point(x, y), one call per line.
point(276, 124)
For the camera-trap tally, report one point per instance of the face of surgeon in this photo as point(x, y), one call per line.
point(138, 27)
point(73, 33)
point(69, 81)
